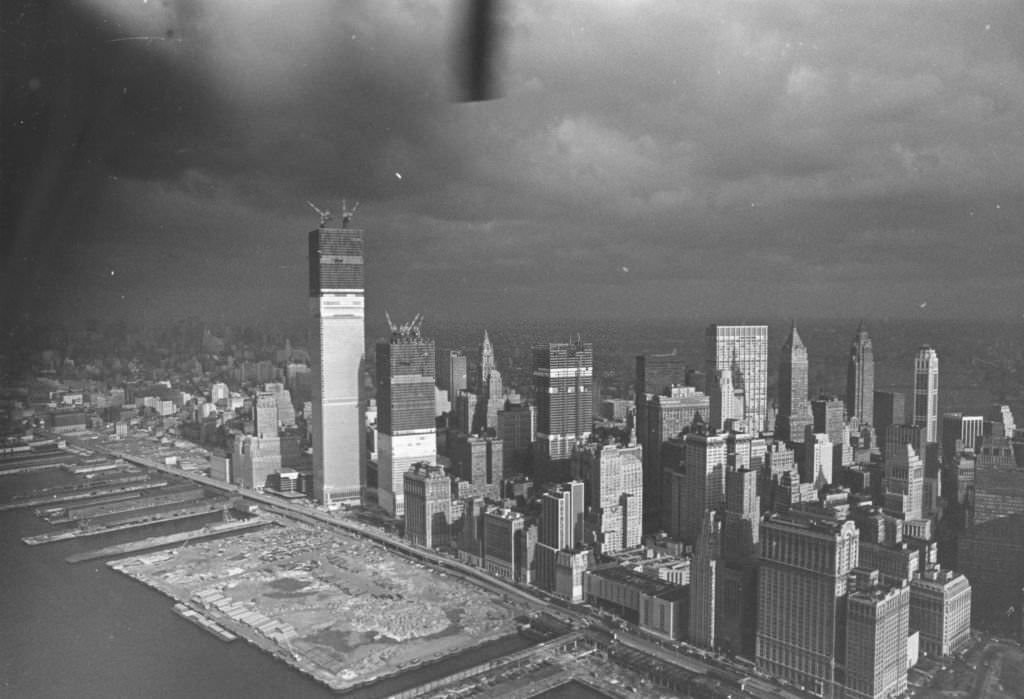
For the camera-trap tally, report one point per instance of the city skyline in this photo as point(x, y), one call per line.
point(774, 140)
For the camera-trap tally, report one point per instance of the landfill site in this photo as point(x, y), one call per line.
point(338, 607)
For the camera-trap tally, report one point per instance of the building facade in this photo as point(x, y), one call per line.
point(407, 431)
point(563, 375)
point(926, 392)
point(338, 337)
point(860, 379)
point(743, 350)
point(794, 409)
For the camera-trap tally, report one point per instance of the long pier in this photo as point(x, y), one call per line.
point(31, 468)
point(159, 542)
point(146, 520)
point(82, 495)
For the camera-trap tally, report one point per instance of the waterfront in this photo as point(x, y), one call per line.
point(85, 630)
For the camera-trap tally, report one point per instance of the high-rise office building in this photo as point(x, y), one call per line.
point(336, 354)
point(926, 392)
point(829, 418)
point(266, 422)
point(563, 374)
point(802, 585)
point(478, 460)
point(561, 527)
point(701, 482)
point(704, 581)
point(860, 379)
point(904, 484)
point(454, 373)
point(741, 532)
point(615, 495)
point(517, 428)
point(877, 624)
point(965, 429)
point(794, 411)
point(890, 409)
point(742, 349)
point(490, 390)
point(664, 416)
point(940, 608)
point(405, 410)
point(428, 505)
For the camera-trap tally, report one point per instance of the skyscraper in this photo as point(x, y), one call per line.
point(405, 410)
point(560, 528)
point(877, 622)
point(860, 379)
point(454, 374)
point(743, 349)
point(563, 375)
point(805, 560)
point(491, 397)
point(926, 392)
point(428, 505)
point(794, 413)
point(704, 582)
point(336, 353)
point(615, 495)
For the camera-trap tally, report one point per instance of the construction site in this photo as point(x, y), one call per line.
point(340, 608)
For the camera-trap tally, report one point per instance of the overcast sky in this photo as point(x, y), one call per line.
point(712, 159)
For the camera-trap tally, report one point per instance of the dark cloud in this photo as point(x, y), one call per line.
point(824, 158)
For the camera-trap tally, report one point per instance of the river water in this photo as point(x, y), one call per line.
point(87, 631)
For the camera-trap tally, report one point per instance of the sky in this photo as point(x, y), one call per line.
point(733, 160)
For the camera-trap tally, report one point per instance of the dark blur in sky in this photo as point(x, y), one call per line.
point(652, 159)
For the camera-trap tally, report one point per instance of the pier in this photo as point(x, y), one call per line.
point(158, 542)
point(81, 495)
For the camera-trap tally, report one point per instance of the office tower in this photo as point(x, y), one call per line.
point(704, 574)
point(517, 428)
point(741, 349)
point(336, 355)
point(615, 496)
point(478, 460)
point(664, 416)
point(405, 410)
point(489, 390)
point(266, 415)
point(728, 400)
point(904, 484)
point(829, 418)
point(805, 560)
point(741, 531)
point(254, 459)
point(1002, 417)
point(960, 432)
point(816, 463)
point(897, 437)
point(926, 392)
point(656, 373)
point(794, 410)
point(454, 374)
point(504, 545)
point(563, 381)
point(940, 608)
point(877, 624)
point(860, 379)
point(705, 459)
point(560, 527)
point(991, 557)
point(890, 409)
point(428, 505)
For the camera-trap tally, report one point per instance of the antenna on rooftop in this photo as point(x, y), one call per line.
point(325, 216)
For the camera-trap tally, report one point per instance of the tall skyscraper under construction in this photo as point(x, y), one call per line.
point(742, 351)
point(563, 375)
point(405, 410)
point(336, 294)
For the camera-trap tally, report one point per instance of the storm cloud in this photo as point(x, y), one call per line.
point(649, 158)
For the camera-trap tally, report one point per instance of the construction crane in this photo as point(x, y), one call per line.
point(325, 216)
point(346, 213)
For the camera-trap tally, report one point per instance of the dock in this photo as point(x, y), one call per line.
point(146, 519)
point(81, 495)
point(158, 542)
point(203, 621)
point(129, 502)
point(32, 468)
